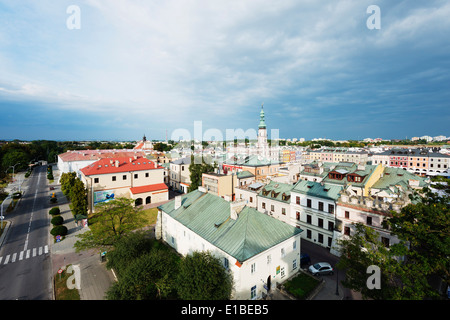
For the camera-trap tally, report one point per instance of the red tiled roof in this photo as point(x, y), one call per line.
point(149, 188)
point(118, 165)
point(89, 155)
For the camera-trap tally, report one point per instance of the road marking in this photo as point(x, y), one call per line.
point(19, 256)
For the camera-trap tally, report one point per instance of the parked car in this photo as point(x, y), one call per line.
point(321, 268)
point(304, 259)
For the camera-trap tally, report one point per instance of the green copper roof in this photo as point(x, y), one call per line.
point(208, 216)
point(316, 189)
point(262, 121)
point(277, 191)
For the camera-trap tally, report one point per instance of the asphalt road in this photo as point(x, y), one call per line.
point(25, 262)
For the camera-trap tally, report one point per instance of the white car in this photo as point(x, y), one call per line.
point(321, 268)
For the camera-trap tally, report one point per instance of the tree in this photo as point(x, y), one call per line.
point(202, 277)
point(112, 221)
point(127, 249)
point(196, 169)
point(359, 252)
point(78, 197)
point(150, 276)
point(425, 226)
point(67, 180)
point(407, 267)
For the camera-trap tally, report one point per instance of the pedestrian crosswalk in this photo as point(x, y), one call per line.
point(18, 256)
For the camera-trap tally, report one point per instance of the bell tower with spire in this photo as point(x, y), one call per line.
point(263, 147)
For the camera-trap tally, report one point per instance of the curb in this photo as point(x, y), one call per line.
point(5, 231)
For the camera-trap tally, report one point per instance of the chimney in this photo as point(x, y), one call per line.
point(177, 202)
point(117, 163)
point(236, 207)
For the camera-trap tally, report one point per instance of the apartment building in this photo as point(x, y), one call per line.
point(274, 199)
point(313, 209)
point(422, 161)
point(132, 177)
point(180, 175)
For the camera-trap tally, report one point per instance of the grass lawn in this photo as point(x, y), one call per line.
point(150, 215)
point(62, 292)
point(301, 286)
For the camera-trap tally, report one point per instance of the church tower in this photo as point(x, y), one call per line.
point(263, 147)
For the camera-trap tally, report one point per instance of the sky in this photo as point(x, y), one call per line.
point(119, 69)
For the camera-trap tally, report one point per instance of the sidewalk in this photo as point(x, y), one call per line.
point(95, 278)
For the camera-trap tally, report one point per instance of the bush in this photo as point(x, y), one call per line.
point(57, 221)
point(54, 211)
point(59, 231)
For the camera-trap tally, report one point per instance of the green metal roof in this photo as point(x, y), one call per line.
point(275, 190)
point(316, 189)
point(208, 216)
point(244, 174)
point(397, 176)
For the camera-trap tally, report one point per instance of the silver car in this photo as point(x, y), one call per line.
point(321, 268)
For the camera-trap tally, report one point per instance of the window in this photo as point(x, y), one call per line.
point(331, 208)
point(308, 219)
point(253, 292)
point(272, 208)
point(297, 200)
point(263, 205)
point(330, 225)
point(269, 259)
point(320, 238)
point(294, 264)
point(135, 175)
point(182, 168)
point(124, 177)
point(283, 211)
point(253, 268)
point(308, 234)
point(320, 223)
point(347, 231)
point(385, 241)
point(308, 203)
point(147, 174)
point(282, 253)
point(369, 221)
point(282, 273)
point(320, 205)
point(347, 215)
point(294, 245)
point(96, 180)
point(297, 215)
point(251, 199)
point(226, 263)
